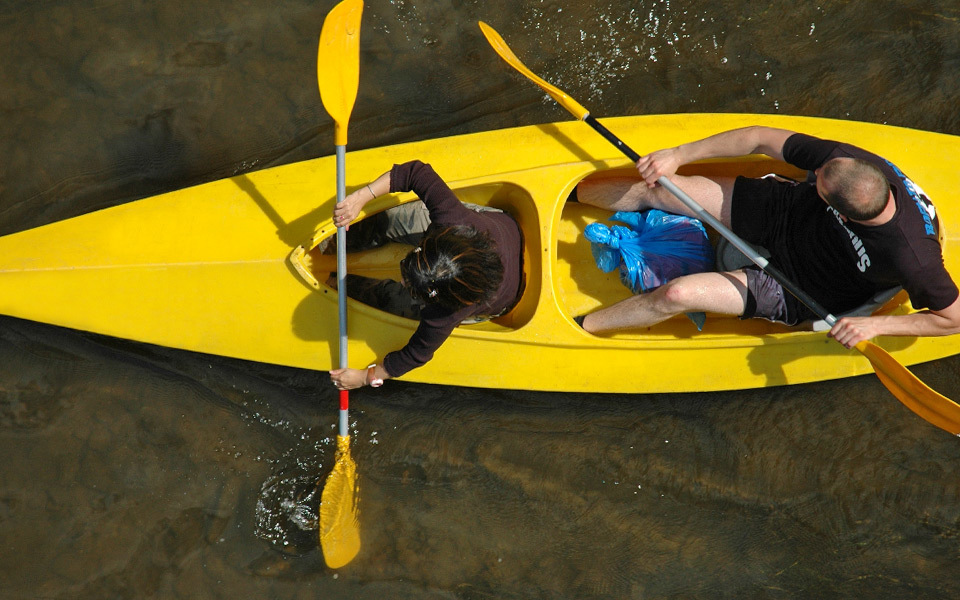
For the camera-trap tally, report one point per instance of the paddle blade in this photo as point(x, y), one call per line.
point(338, 64)
point(496, 41)
point(933, 407)
point(339, 523)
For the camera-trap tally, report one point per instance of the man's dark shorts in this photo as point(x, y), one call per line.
point(765, 297)
point(757, 216)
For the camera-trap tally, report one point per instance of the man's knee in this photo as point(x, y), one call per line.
point(723, 293)
point(677, 296)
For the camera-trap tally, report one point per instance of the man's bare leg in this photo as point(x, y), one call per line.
point(723, 293)
point(633, 194)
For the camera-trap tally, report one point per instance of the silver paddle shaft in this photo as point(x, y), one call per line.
point(342, 278)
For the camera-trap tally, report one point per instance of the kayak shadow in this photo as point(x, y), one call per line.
point(571, 145)
point(583, 287)
point(315, 319)
point(760, 363)
point(294, 232)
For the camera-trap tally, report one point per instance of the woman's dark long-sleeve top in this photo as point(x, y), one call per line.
point(436, 323)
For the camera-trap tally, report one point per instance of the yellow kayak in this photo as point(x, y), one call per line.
point(230, 267)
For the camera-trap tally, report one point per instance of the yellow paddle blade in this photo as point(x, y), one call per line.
point(338, 64)
point(339, 524)
point(913, 393)
point(507, 54)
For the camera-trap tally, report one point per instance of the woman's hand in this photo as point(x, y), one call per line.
point(348, 379)
point(345, 212)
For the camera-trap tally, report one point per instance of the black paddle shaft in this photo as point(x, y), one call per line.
point(703, 215)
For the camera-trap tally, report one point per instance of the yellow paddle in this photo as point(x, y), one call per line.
point(338, 74)
point(915, 395)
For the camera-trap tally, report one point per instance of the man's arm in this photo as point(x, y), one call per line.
point(850, 331)
point(736, 142)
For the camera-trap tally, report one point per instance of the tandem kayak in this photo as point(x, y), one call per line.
point(232, 267)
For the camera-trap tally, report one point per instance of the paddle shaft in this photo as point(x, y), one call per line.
point(722, 229)
point(342, 285)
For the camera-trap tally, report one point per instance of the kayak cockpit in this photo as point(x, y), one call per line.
point(315, 261)
point(582, 287)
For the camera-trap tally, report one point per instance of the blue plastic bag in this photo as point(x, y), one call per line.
point(653, 248)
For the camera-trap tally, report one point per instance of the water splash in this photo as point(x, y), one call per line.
point(287, 512)
point(611, 45)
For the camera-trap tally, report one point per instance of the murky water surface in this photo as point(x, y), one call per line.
point(138, 472)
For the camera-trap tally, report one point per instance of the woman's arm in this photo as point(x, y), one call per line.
point(419, 177)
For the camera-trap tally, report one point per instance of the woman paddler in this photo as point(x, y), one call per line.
point(466, 265)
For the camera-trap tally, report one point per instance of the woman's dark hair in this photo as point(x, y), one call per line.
point(453, 267)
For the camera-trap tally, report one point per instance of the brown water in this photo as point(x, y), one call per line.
point(131, 471)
